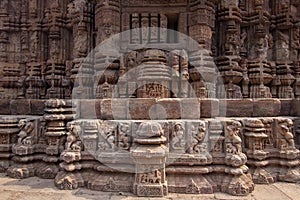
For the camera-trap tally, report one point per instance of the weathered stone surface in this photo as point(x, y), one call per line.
point(118, 111)
point(171, 108)
point(87, 109)
point(190, 108)
point(236, 107)
point(5, 106)
point(20, 107)
point(37, 107)
point(142, 108)
point(209, 108)
point(295, 108)
point(286, 105)
point(266, 107)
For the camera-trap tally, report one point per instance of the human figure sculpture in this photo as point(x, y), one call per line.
point(198, 135)
point(286, 134)
point(178, 136)
point(25, 130)
point(72, 142)
point(233, 135)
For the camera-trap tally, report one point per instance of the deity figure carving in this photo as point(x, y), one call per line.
point(34, 40)
point(232, 44)
point(24, 136)
point(73, 142)
point(80, 42)
point(124, 136)
point(283, 46)
point(198, 133)
point(54, 49)
point(260, 48)
point(286, 135)
point(178, 136)
point(107, 141)
point(235, 142)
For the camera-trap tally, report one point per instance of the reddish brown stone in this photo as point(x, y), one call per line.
point(37, 106)
point(113, 108)
point(20, 107)
point(5, 106)
point(140, 108)
point(236, 107)
point(190, 108)
point(87, 109)
point(266, 107)
point(295, 107)
point(286, 105)
point(209, 108)
point(171, 109)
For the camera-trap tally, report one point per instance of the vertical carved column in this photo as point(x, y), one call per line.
point(71, 155)
point(163, 31)
point(260, 40)
point(284, 42)
point(154, 76)
point(3, 44)
point(145, 28)
point(135, 32)
point(25, 149)
point(107, 19)
point(57, 114)
point(8, 136)
point(229, 18)
point(80, 18)
point(241, 182)
point(202, 74)
point(154, 28)
point(55, 70)
point(202, 21)
point(107, 22)
point(150, 157)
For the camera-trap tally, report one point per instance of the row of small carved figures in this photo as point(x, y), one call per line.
point(196, 142)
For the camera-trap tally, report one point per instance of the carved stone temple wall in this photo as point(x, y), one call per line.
point(194, 96)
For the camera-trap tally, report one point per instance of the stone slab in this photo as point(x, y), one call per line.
point(113, 108)
point(168, 109)
point(142, 108)
point(266, 107)
point(295, 107)
point(286, 105)
point(87, 109)
point(209, 108)
point(190, 108)
point(5, 106)
point(236, 107)
point(37, 106)
point(20, 107)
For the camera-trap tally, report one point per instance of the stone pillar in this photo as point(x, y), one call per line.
point(8, 136)
point(149, 156)
point(202, 21)
point(25, 149)
point(229, 16)
point(80, 18)
point(153, 76)
point(261, 43)
point(55, 70)
point(203, 75)
point(57, 114)
point(107, 19)
point(107, 22)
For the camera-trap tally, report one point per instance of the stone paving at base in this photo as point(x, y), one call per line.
point(43, 189)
